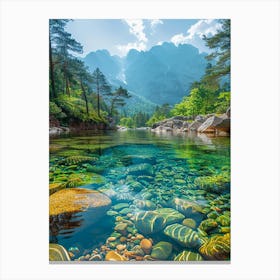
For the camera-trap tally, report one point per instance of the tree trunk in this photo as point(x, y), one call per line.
point(67, 91)
point(85, 97)
point(53, 94)
point(98, 98)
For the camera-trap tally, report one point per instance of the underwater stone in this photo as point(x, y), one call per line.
point(161, 250)
point(146, 245)
point(125, 211)
point(208, 224)
point(223, 220)
point(188, 256)
point(112, 213)
point(140, 169)
point(148, 222)
point(216, 248)
point(77, 159)
point(58, 253)
point(183, 235)
point(54, 187)
point(78, 200)
point(120, 206)
point(187, 207)
point(170, 215)
point(121, 228)
point(145, 204)
point(189, 223)
point(114, 256)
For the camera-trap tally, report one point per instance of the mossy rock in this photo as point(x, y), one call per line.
point(140, 169)
point(77, 160)
point(58, 253)
point(145, 204)
point(185, 236)
point(216, 248)
point(162, 250)
point(54, 187)
point(223, 220)
point(208, 224)
point(170, 215)
point(189, 223)
point(217, 183)
point(120, 206)
point(188, 256)
point(77, 200)
point(187, 207)
point(125, 211)
point(148, 222)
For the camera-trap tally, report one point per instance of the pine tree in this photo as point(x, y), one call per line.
point(117, 99)
point(220, 57)
point(100, 85)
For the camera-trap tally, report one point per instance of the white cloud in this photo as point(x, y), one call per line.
point(124, 49)
point(195, 34)
point(155, 22)
point(136, 27)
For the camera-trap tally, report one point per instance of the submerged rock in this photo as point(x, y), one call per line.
point(78, 200)
point(146, 245)
point(188, 256)
point(54, 187)
point(216, 248)
point(223, 220)
point(170, 215)
point(187, 207)
point(162, 250)
point(189, 223)
point(207, 225)
point(148, 222)
point(140, 169)
point(183, 235)
point(58, 253)
point(114, 256)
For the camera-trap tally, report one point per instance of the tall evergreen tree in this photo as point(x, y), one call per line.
point(220, 57)
point(117, 99)
point(100, 86)
point(62, 43)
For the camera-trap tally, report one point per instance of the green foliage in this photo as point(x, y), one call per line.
point(127, 122)
point(56, 111)
point(220, 43)
point(75, 108)
point(223, 102)
point(117, 99)
point(201, 101)
point(161, 113)
point(137, 120)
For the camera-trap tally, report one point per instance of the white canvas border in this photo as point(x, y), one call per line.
point(24, 138)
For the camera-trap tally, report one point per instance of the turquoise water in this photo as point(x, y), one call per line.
point(147, 172)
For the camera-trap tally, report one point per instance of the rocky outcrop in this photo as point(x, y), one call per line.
point(218, 125)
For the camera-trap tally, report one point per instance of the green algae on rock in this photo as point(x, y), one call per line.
point(216, 248)
point(161, 250)
point(170, 215)
point(77, 159)
point(185, 236)
point(58, 253)
point(223, 220)
point(189, 223)
point(148, 222)
point(208, 224)
point(188, 256)
point(77, 200)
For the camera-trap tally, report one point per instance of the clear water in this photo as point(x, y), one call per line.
point(176, 160)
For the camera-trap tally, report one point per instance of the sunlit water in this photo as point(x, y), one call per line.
point(168, 166)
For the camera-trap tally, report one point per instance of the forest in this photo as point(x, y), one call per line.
point(78, 95)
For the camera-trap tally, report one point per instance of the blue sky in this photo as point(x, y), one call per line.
point(118, 36)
